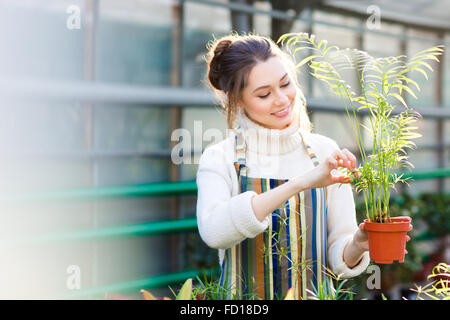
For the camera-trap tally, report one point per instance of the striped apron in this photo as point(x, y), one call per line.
point(290, 253)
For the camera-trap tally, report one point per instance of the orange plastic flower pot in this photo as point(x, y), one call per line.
point(387, 241)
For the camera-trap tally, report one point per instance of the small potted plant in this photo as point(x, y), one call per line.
point(382, 82)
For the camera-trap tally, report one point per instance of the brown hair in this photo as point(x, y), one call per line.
point(230, 60)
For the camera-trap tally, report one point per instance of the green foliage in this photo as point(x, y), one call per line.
point(382, 83)
point(434, 211)
point(429, 211)
point(185, 291)
point(210, 289)
point(206, 289)
point(439, 288)
point(332, 287)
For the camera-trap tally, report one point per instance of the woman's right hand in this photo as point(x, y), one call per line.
point(321, 176)
point(265, 203)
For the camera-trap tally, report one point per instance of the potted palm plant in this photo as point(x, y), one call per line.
point(379, 93)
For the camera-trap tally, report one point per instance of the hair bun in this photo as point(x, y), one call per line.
point(214, 74)
point(221, 47)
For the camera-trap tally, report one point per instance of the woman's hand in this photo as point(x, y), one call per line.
point(321, 176)
point(265, 203)
point(355, 248)
point(360, 239)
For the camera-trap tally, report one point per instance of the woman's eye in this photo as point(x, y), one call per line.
point(284, 85)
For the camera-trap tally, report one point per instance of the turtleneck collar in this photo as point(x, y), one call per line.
point(266, 141)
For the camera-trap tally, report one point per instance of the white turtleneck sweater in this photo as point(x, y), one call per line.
point(225, 217)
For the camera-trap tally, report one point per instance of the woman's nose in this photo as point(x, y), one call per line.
point(281, 99)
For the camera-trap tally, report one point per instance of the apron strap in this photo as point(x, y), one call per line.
point(310, 151)
point(240, 153)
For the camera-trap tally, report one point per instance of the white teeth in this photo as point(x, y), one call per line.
point(281, 111)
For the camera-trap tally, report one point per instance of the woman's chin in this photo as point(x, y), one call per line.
point(282, 124)
point(279, 123)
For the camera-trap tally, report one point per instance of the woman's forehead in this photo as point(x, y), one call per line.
point(267, 72)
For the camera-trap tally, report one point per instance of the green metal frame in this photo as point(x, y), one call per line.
point(144, 190)
point(184, 225)
point(152, 282)
point(429, 174)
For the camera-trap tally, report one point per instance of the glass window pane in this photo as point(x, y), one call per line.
point(427, 95)
point(423, 159)
point(447, 132)
point(197, 33)
point(341, 37)
point(203, 126)
point(36, 40)
point(446, 73)
point(427, 128)
point(134, 42)
point(262, 22)
point(335, 126)
point(378, 44)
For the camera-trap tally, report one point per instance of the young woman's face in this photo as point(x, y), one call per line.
point(269, 97)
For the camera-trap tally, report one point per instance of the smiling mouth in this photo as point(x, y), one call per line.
point(281, 111)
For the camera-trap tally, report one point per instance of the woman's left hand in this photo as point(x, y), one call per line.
point(355, 248)
point(360, 239)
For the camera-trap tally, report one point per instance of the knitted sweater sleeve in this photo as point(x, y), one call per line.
point(341, 221)
point(223, 220)
point(341, 228)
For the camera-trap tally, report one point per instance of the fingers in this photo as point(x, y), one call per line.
point(351, 158)
point(340, 179)
point(344, 159)
point(361, 238)
point(340, 157)
point(362, 232)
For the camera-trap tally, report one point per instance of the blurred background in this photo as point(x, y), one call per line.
point(92, 204)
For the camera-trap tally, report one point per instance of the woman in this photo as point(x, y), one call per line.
point(268, 197)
